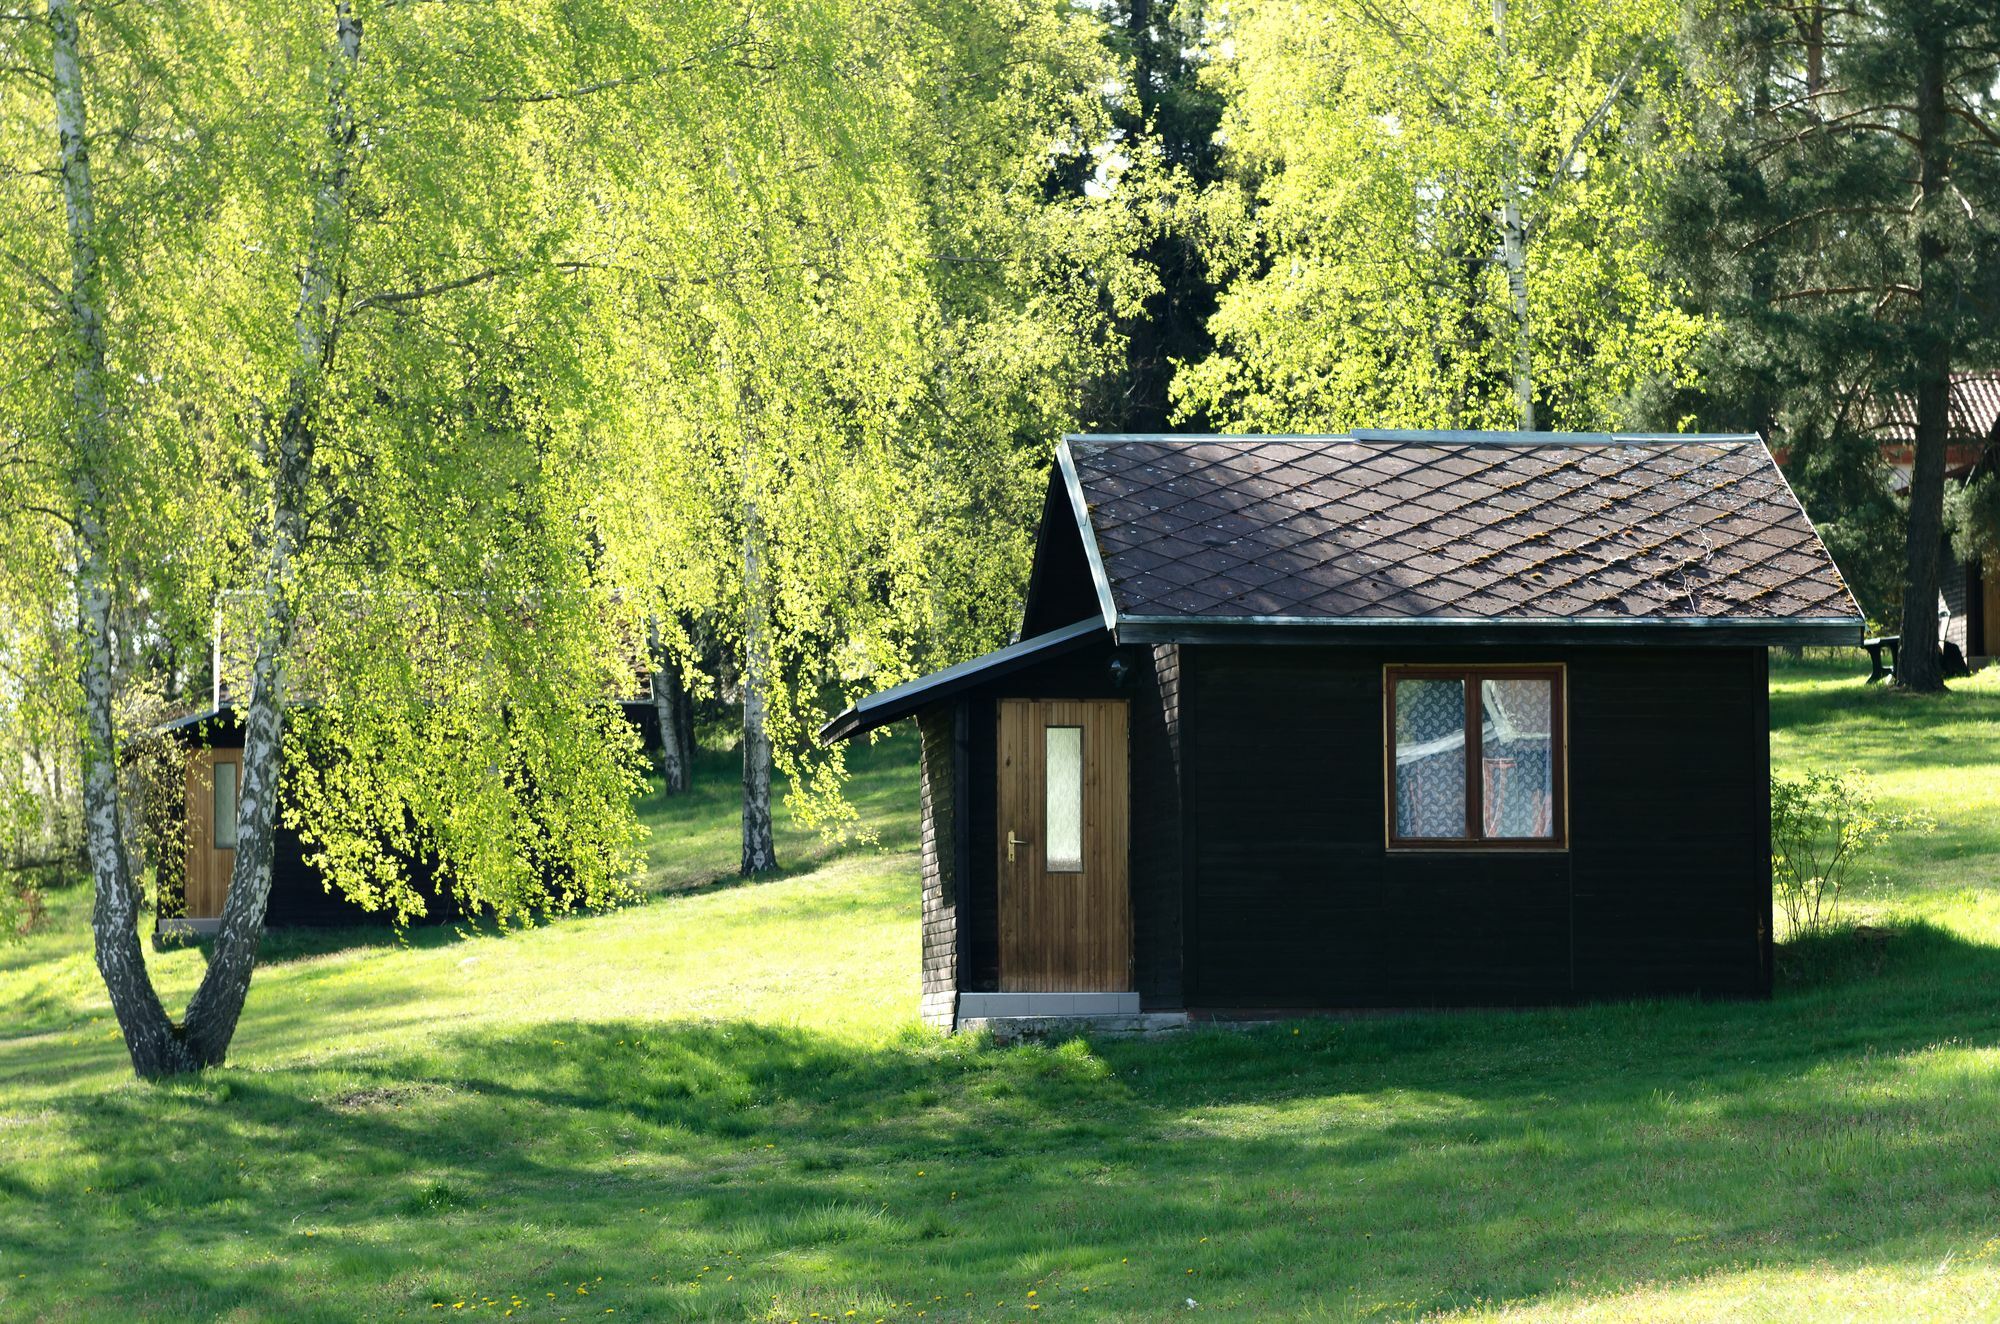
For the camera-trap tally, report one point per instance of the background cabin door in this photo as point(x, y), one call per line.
point(213, 777)
point(1989, 646)
point(1065, 905)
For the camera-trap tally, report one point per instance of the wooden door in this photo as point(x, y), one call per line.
point(1990, 626)
point(1064, 827)
point(213, 778)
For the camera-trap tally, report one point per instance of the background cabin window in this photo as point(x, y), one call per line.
point(1062, 823)
point(225, 806)
point(1476, 756)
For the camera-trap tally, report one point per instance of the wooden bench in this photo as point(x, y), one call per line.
point(1876, 647)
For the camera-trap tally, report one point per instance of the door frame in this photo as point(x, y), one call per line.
point(1041, 924)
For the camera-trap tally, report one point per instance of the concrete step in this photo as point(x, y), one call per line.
point(1013, 1029)
point(986, 1006)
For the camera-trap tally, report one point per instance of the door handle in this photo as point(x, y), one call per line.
point(1012, 842)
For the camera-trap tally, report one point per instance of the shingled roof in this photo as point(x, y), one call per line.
point(1455, 537)
point(1188, 537)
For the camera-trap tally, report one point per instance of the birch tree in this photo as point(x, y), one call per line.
point(1436, 215)
point(867, 317)
point(395, 458)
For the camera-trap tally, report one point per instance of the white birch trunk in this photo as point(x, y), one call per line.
point(760, 851)
point(155, 1045)
point(218, 1003)
point(1514, 241)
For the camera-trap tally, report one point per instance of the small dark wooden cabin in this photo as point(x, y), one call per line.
point(300, 896)
point(1388, 719)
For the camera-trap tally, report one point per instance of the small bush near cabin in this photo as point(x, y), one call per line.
point(1823, 824)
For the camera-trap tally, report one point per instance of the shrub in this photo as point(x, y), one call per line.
point(1823, 824)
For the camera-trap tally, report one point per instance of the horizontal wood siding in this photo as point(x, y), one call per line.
point(1673, 869)
point(1297, 902)
point(938, 855)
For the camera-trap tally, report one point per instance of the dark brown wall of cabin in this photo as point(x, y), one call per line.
point(1296, 901)
point(1061, 588)
point(1151, 689)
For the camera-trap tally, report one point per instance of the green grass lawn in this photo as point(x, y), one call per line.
point(717, 1104)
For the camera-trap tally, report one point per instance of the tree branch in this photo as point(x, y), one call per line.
point(1980, 126)
point(1831, 291)
point(1814, 215)
point(1596, 118)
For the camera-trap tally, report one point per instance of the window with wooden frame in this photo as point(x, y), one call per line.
point(1474, 757)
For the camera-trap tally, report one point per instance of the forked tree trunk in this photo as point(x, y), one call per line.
point(1917, 666)
point(760, 851)
point(670, 706)
point(218, 1003)
point(1514, 245)
point(155, 1045)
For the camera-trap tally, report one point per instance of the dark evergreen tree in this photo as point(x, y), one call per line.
point(1844, 227)
point(1167, 127)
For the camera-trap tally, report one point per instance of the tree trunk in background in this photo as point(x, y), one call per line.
point(670, 706)
point(1917, 659)
point(155, 1045)
point(1514, 247)
point(218, 1003)
point(686, 729)
point(760, 852)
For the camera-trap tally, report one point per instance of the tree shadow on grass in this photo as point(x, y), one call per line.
point(1383, 1166)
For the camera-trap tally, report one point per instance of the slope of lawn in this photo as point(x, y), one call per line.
point(717, 1105)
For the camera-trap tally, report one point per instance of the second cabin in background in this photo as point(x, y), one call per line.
point(1378, 720)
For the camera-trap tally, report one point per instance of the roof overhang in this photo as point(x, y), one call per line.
point(1683, 631)
point(1080, 508)
point(902, 700)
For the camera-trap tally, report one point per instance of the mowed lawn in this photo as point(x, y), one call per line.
point(717, 1104)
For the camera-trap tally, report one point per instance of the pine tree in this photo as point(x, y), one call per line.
point(1844, 230)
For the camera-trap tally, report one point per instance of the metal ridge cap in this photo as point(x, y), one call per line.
point(1416, 436)
point(1542, 621)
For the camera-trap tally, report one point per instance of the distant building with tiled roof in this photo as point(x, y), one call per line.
point(1969, 591)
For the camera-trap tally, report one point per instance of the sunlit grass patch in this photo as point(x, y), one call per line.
point(718, 1105)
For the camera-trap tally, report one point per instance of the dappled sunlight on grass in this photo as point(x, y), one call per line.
point(718, 1105)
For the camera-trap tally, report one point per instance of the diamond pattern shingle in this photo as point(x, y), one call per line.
point(1343, 528)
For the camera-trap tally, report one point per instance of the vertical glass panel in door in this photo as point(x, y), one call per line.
point(225, 806)
point(1517, 763)
point(1430, 759)
point(1062, 821)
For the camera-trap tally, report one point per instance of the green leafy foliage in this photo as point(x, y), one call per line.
point(1972, 513)
point(1369, 150)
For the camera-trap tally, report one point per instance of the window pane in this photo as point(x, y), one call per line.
point(1430, 758)
point(225, 806)
point(1517, 743)
point(1063, 821)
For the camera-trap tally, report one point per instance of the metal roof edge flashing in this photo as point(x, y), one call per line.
point(899, 701)
point(1717, 630)
point(1085, 530)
